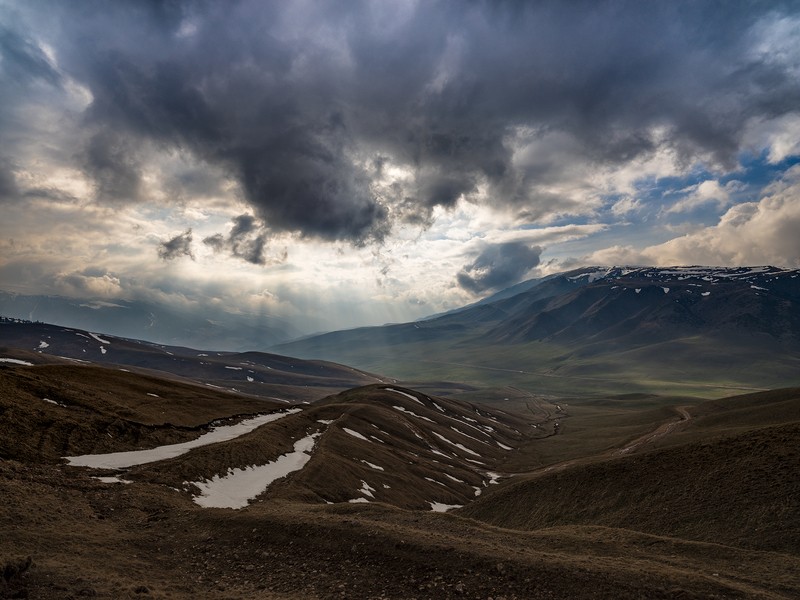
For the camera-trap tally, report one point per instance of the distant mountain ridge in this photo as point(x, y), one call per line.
point(259, 374)
point(622, 316)
point(633, 303)
point(153, 321)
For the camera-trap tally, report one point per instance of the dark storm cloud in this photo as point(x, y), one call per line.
point(110, 160)
point(247, 240)
point(8, 184)
point(180, 245)
point(499, 266)
point(306, 105)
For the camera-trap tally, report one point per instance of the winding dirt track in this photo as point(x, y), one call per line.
point(659, 432)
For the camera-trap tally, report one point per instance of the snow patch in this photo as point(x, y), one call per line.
point(469, 436)
point(415, 399)
point(403, 410)
point(493, 477)
point(456, 444)
point(366, 489)
point(439, 507)
point(357, 500)
point(122, 460)
point(373, 465)
point(234, 368)
point(15, 361)
point(112, 480)
point(54, 402)
point(153, 395)
point(434, 481)
point(98, 338)
point(239, 486)
point(705, 293)
point(355, 434)
point(666, 290)
point(42, 345)
point(250, 379)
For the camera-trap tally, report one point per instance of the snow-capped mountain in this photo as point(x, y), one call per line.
point(636, 302)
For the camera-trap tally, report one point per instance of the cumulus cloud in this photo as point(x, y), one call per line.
point(498, 266)
point(707, 192)
point(750, 233)
point(180, 245)
point(92, 282)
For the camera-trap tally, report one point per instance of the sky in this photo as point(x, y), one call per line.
point(359, 162)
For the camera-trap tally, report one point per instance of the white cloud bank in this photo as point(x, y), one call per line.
point(751, 233)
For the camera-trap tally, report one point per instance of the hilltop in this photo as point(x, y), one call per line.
point(269, 376)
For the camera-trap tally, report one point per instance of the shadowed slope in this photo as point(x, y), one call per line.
point(260, 374)
point(738, 486)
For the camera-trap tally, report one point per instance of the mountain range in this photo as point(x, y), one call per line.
point(738, 327)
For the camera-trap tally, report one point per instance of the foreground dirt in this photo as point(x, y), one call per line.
point(89, 539)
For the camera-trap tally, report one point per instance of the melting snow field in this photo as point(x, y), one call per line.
point(122, 460)
point(239, 486)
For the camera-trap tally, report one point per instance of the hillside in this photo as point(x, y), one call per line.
point(268, 376)
point(342, 497)
point(727, 475)
point(695, 330)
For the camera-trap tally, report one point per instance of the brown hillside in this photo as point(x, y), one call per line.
point(740, 490)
